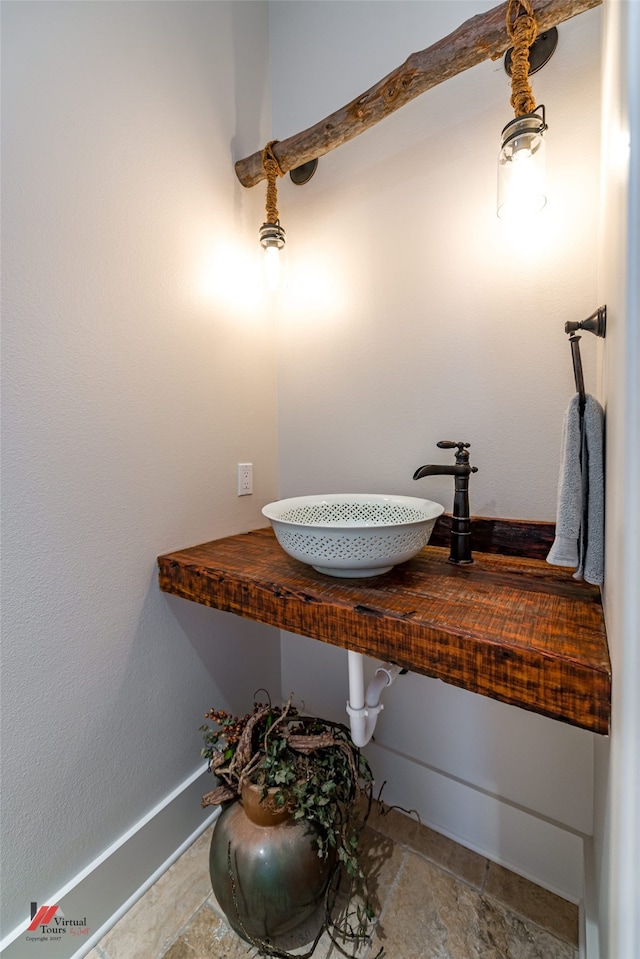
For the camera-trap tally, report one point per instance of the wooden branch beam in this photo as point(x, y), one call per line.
point(483, 37)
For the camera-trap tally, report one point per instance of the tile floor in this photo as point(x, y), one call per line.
point(435, 900)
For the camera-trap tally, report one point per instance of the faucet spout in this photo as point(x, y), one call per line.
point(461, 520)
point(435, 469)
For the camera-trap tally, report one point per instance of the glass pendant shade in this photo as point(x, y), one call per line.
point(273, 256)
point(522, 186)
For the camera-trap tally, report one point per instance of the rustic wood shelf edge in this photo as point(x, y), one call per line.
point(508, 627)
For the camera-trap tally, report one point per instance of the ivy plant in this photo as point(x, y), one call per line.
point(310, 765)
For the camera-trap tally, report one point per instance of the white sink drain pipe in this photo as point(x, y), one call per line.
point(363, 708)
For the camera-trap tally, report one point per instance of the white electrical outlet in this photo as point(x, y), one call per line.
point(245, 479)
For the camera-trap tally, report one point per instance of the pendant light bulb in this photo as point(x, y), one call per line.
point(273, 258)
point(522, 187)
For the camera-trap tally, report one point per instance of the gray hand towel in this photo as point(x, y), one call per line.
point(579, 539)
point(564, 551)
point(591, 566)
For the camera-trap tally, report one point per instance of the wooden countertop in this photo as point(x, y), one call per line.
point(509, 627)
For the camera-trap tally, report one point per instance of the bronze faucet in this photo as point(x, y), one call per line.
point(461, 521)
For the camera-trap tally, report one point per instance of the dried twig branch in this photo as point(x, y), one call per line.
point(480, 38)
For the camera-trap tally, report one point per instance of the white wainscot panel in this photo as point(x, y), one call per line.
point(541, 764)
point(533, 847)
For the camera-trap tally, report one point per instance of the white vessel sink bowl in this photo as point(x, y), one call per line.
point(353, 534)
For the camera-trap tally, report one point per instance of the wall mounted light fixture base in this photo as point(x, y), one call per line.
point(303, 173)
point(540, 51)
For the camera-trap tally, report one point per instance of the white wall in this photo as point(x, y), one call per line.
point(422, 317)
point(138, 369)
point(617, 824)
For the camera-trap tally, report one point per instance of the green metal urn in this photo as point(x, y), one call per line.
point(265, 870)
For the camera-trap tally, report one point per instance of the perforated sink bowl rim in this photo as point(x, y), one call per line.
point(353, 534)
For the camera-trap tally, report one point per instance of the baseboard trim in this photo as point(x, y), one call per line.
point(116, 879)
point(589, 931)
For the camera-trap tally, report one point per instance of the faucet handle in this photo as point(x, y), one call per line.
point(450, 445)
point(462, 456)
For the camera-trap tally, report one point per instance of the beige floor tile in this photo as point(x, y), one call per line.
point(381, 861)
point(152, 924)
point(208, 937)
point(199, 939)
point(450, 855)
point(526, 899)
point(429, 914)
point(432, 914)
point(503, 935)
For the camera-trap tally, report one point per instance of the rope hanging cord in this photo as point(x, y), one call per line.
point(522, 29)
point(272, 171)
